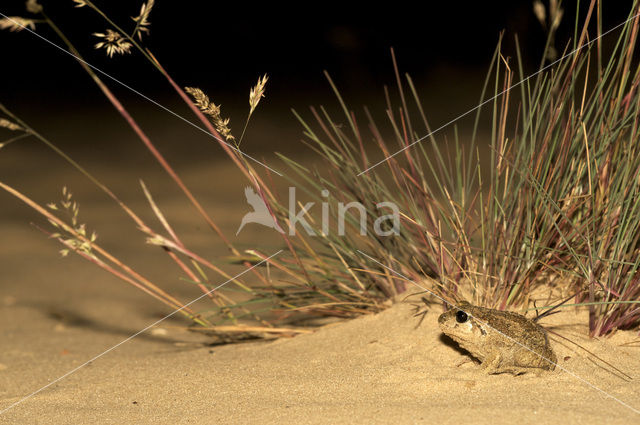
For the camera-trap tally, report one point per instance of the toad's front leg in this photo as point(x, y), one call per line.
point(492, 363)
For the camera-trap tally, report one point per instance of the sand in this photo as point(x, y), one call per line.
point(55, 314)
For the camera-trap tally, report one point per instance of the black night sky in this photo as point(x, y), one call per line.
point(235, 41)
point(223, 47)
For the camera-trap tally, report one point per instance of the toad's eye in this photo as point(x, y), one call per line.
point(461, 316)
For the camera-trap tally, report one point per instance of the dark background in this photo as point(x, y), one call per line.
point(222, 47)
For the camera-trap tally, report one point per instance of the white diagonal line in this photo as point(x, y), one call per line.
point(498, 95)
point(134, 335)
point(506, 336)
point(139, 94)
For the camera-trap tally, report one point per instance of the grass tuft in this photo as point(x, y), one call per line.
point(553, 217)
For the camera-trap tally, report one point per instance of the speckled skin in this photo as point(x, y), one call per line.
point(497, 353)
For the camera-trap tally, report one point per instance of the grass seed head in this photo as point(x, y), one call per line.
point(33, 6)
point(540, 12)
point(113, 42)
point(257, 93)
point(16, 23)
point(212, 110)
point(74, 236)
point(9, 125)
point(142, 20)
